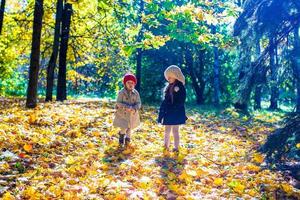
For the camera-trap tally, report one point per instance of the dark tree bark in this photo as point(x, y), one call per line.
point(274, 76)
point(217, 92)
point(259, 86)
point(62, 82)
point(216, 74)
point(246, 78)
point(139, 57)
point(240, 3)
point(189, 60)
point(35, 55)
point(199, 75)
point(257, 97)
point(2, 8)
point(54, 55)
point(296, 64)
point(139, 54)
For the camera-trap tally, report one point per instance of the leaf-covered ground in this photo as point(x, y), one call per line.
point(69, 151)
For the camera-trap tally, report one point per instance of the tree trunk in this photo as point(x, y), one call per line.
point(296, 64)
point(239, 3)
point(217, 92)
point(259, 86)
point(62, 82)
point(246, 79)
point(274, 82)
point(2, 9)
point(35, 55)
point(54, 55)
point(216, 73)
point(189, 60)
point(139, 55)
point(257, 97)
point(199, 75)
point(138, 69)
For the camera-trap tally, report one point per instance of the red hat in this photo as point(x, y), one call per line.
point(129, 77)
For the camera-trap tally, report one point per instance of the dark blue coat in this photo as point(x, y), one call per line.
point(173, 113)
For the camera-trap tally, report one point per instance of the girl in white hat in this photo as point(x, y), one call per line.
point(172, 109)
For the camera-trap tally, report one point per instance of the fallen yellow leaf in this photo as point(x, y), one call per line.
point(218, 181)
point(258, 158)
point(27, 147)
point(8, 196)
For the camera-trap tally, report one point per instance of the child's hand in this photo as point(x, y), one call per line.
point(131, 110)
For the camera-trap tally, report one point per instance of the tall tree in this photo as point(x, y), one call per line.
point(239, 2)
point(246, 76)
point(35, 55)
point(62, 73)
point(259, 86)
point(54, 55)
point(259, 18)
point(189, 62)
point(196, 78)
point(296, 63)
point(139, 54)
point(200, 76)
point(216, 72)
point(2, 8)
point(274, 75)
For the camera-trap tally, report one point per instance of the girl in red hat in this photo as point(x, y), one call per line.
point(128, 103)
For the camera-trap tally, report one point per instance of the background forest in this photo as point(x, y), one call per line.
point(220, 45)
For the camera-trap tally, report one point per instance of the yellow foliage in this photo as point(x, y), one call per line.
point(27, 147)
point(218, 181)
point(258, 158)
point(8, 196)
point(76, 156)
point(287, 188)
point(70, 160)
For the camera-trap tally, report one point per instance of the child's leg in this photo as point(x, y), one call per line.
point(175, 130)
point(128, 132)
point(122, 136)
point(123, 131)
point(127, 138)
point(167, 135)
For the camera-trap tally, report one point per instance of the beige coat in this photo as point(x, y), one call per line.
point(123, 118)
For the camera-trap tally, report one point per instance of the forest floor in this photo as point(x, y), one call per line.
point(69, 151)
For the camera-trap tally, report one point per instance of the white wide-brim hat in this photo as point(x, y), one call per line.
point(174, 72)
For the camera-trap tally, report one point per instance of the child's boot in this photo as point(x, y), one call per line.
point(121, 139)
point(127, 140)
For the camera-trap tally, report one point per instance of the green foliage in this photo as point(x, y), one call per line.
point(14, 85)
point(104, 39)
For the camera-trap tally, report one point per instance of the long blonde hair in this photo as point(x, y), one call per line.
point(169, 90)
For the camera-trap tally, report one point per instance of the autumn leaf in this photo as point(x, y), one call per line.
point(27, 148)
point(237, 187)
point(191, 172)
point(8, 196)
point(77, 156)
point(70, 160)
point(32, 118)
point(258, 158)
point(218, 181)
point(22, 155)
point(144, 182)
point(287, 188)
